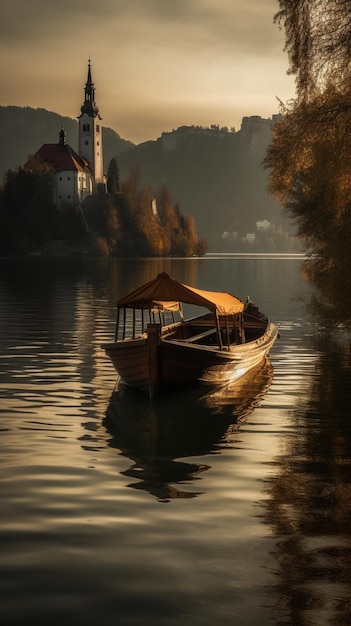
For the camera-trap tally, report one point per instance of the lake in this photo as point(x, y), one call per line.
point(231, 508)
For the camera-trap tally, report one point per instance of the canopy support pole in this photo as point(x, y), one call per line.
point(153, 339)
point(124, 323)
point(227, 331)
point(117, 325)
point(220, 342)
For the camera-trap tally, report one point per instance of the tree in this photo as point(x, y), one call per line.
point(130, 186)
point(27, 214)
point(318, 43)
point(310, 156)
point(113, 177)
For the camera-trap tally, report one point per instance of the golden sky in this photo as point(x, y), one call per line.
point(156, 64)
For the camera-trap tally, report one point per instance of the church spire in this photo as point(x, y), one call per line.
point(89, 107)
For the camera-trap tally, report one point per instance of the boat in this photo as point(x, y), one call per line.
point(156, 349)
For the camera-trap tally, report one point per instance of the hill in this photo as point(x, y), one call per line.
point(215, 175)
point(24, 129)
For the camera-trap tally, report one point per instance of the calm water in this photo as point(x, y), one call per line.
point(229, 509)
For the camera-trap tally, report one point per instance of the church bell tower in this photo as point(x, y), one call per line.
point(90, 133)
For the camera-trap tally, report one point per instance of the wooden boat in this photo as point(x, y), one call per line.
point(156, 349)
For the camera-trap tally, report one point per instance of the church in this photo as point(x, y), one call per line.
point(77, 176)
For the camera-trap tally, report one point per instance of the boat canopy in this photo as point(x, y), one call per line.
point(158, 306)
point(165, 293)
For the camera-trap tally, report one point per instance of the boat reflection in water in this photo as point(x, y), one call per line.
point(158, 435)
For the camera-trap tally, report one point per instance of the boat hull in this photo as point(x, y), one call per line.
point(175, 364)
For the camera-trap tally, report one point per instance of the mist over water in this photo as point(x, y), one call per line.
point(230, 507)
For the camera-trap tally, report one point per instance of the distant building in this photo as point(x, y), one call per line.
point(77, 176)
point(263, 225)
point(250, 238)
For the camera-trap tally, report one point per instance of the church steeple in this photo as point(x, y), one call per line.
point(89, 107)
point(90, 132)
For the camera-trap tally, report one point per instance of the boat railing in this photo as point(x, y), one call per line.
point(132, 322)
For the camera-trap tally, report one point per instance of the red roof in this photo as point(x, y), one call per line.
point(62, 157)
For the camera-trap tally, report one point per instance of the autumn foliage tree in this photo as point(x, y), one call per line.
point(141, 221)
point(310, 156)
point(153, 223)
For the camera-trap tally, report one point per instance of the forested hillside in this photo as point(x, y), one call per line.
point(214, 174)
point(218, 177)
point(24, 129)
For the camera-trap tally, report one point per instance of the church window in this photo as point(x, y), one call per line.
point(86, 143)
point(97, 143)
point(97, 128)
point(68, 178)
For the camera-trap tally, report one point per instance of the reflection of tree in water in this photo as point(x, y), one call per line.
point(309, 506)
point(159, 436)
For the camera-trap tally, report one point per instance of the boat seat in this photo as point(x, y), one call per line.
point(200, 336)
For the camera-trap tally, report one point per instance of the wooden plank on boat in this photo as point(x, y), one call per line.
point(200, 336)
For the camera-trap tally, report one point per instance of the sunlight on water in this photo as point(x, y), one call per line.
point(227, 507)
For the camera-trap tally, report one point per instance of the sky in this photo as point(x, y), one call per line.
point(156, 64)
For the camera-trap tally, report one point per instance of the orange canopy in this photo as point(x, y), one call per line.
point(164, 289)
